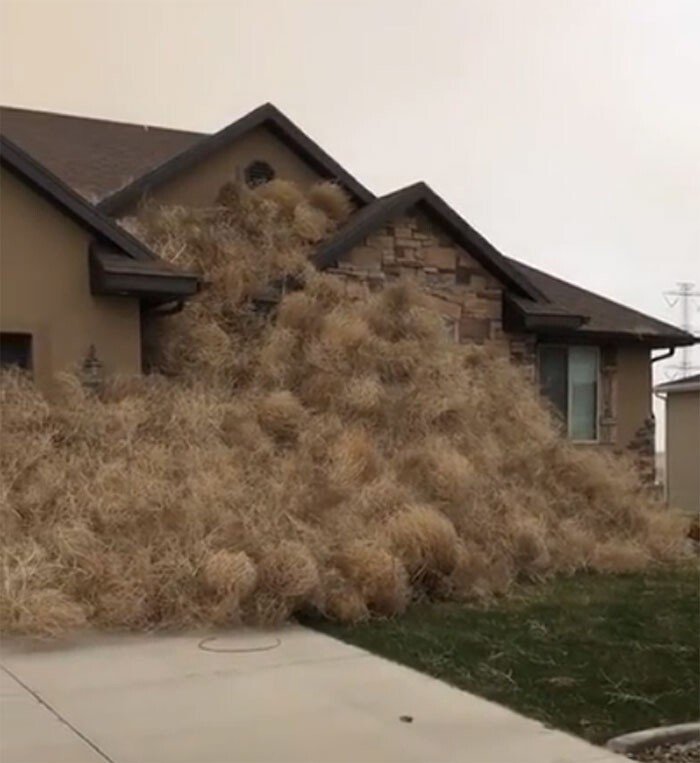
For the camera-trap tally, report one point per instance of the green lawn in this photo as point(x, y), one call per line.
point(595, 655)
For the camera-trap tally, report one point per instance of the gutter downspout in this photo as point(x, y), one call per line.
point(671, 352)
point(660, 396)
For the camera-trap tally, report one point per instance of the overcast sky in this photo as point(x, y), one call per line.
point(566, 131)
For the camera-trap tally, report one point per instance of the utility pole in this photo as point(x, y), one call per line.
point(685, 296)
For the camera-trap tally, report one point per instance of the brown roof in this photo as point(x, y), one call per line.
point(605, 318)
point(94, 157)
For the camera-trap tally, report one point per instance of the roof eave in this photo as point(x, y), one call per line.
point(653, 341)
point(670, 389)
point(159, 286)
point(538, 317)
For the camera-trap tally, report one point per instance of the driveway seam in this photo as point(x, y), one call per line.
point(57, 715)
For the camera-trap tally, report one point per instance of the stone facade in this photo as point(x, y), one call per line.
point(467, 296)
point(607, 421)
point(470, 301)
point(642, 448)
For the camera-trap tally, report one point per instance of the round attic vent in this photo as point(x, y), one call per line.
point(258, 172)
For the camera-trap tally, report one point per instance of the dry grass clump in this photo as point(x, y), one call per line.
point(330, 198)
point(310, 223)
point(230, 573)
point(379, 577)
point(335, 453)
point(281, 414)
point(425, 540)
point(287, 196)
point(289, 571)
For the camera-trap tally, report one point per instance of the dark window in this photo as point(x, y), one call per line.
point(15, 350)
point(569, 380)
point(258, 172)
point(554, 377)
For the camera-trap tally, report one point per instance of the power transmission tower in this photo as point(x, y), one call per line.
point(686, 297)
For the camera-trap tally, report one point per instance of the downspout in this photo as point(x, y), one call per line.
point(173, 308)
point(660, 396)
point(671, 352)
point(664, 356)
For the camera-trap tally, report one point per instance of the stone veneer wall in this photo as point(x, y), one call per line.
point(607, 420)
point(468, 297)
point(471, 302)
point(643, 450)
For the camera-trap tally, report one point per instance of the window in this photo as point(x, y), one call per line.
point(15, 350)
point(569, 380)
point(258, 173)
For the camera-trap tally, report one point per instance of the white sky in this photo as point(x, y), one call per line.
point(566, 131)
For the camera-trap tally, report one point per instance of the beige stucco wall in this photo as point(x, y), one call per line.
point(633, 394)
point(45, 290)
point(199, 185)
point(683, 450)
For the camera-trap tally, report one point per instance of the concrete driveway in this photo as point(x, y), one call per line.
point(287, 695)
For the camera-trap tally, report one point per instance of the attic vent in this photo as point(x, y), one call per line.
point(258, 172)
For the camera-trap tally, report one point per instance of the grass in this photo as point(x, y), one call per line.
point(595, 655)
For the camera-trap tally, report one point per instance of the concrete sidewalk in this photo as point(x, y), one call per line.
point(306, 697)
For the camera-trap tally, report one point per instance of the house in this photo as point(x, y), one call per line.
point(74, 285)
point(682, 442)
point(590, 356)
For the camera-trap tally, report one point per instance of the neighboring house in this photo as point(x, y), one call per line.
point(682, 442)
point(590, 356)
point(73, 285)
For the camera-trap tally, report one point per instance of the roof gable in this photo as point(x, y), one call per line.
point(58, 193)
point(421, 196)
point(95, 157)
point(147, 274)
point(264, 116)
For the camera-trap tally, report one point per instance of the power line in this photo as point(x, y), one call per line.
point(686, 297)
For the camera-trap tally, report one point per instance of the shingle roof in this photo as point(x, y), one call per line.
point(605, 317)
point(95, 157)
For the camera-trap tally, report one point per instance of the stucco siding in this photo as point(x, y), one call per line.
point(199, 185)
point(683, 450)
point(633, 392)
point(45, 290)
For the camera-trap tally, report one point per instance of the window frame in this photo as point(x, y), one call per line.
point(568, 347)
